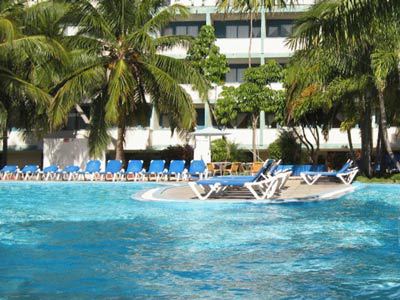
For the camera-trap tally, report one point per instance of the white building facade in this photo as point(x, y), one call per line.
point(232, 31)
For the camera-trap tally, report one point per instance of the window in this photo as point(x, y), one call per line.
point(200, 117)
point(236, 73)
point(75, 121)
point(236, 29)
point(279, 28)
point(183, 28)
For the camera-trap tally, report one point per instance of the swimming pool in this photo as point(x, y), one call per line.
point(91, 240)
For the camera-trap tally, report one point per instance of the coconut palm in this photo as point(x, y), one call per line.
point(122, 68)
point(22, 103)
point(363, 26)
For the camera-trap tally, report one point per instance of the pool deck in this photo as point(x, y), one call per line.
point(295, 191)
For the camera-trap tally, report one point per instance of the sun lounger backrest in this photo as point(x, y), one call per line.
point(197, 166)
point(71, 169)
point(30, 168)
point(93, 166)
point(177, 166)
point(9, 168)
point(345, 167)
point(156, 166)
point(267, 164)
point(134, 166)
point(50, 169)
point(113, 166)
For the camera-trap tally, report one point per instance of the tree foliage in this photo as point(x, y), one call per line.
point(251, 97)
point(206, 58)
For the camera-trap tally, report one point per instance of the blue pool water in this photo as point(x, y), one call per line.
point(92, 241)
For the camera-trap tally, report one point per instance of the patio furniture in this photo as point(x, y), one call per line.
point(113, 170)
point(156, 170)
point(133, 170)
point(176, 169)
point(28, 172)
point(346, 174)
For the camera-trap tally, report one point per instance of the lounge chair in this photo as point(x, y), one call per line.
point(7, 171)
point(262, 185)
point(91, 170)
point(67, 173)
point(133, 171)
point(156, 169)
point(113, 170)
point(49, 172)
point(346, 174)
point(264, 188)
point(176, 169)
point(28, 172)
point(198, 169)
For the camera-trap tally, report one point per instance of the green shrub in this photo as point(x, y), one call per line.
point(286, 147)
point(223, 150)
point(395, 177)
point(274, 150)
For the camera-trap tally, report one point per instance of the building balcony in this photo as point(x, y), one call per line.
point(239, 48)
point(200, 3)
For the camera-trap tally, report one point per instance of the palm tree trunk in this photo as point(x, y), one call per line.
point(350, 140)
point(383, 124)
point(366, 137)
point(251, 38)
point(119, 149)
point(4, 154)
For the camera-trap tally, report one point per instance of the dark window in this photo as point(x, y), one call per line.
point(279, 28)
point(75, 121)
point(200, 116)
point(183, 28)
point(236, 73)
point(236, 29)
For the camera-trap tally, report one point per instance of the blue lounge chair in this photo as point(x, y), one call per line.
point(92, 169)
point(68, 172)
point(176, 169)
point(262, 185)
point(134, 170)
point(27, 172)
point(156, 169)
point(7, 171)
point(113, 170)
point(49, 172)
point(346, 174)
point(198, 169)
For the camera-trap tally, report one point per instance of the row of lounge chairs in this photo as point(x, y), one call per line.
point(269, 181)
point(113, 171)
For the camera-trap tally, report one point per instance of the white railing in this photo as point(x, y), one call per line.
point(198, 3)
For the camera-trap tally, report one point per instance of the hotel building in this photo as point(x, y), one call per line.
point(69, 145)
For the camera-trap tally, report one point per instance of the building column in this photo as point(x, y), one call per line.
point(262, 61)
point(208, 19)
point(262, 128)
point(154, 120)
point(207, 115)
point(263, 35)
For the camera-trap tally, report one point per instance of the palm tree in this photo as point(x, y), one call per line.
point(250, 8)
point(356, 25)
point(22, 103)
point(121, 64)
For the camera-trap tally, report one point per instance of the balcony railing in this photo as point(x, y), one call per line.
point(198, 3)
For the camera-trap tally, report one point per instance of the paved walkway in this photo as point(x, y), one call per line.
point(295, 190)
